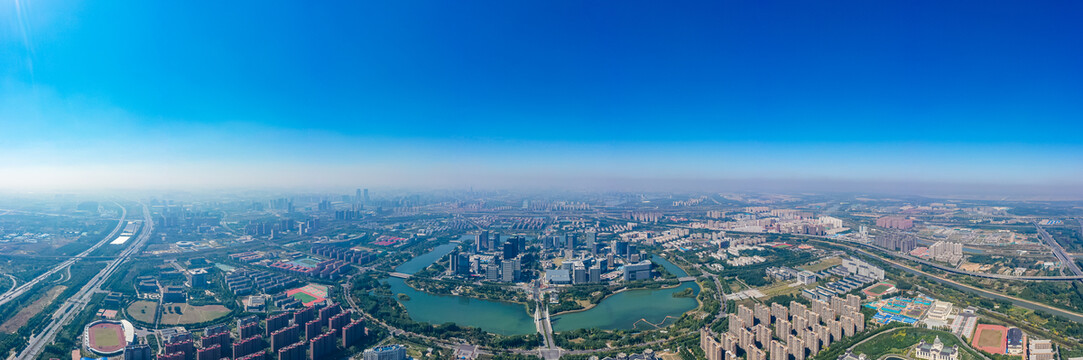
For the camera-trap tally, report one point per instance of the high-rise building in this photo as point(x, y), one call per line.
point(460, 264)
point(579, 274)
point(857, 267)
point(481, 241)
point(137, 352)
point(492, 271)
point(638, 271)
point(895, 222)
point(510, 270)
point(511, 249)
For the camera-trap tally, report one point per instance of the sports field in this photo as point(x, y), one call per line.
point(991, 338)
point(879, 289)
point(106, 338)
point(309, 294)
point(304, 298)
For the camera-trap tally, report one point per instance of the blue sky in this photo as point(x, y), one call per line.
point(493, 92)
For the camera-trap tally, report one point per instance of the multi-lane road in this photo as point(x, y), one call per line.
point(75, 304)
point(17, 291)
point(1058, 250)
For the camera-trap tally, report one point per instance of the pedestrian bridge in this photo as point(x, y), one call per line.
point(399, 275)
point(687, 278)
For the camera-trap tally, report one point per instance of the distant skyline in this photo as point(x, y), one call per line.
point(916, 95)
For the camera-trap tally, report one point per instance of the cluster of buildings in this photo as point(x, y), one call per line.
point(895, 222)
point(778, 332)
point(327, 269)
point(852, 274)
point(786, 273)
point(767, 220)
point(897, 241)
point(243, 281)
point(948, 252)
point(352, 256)
point(311, 333)
point(491, 259)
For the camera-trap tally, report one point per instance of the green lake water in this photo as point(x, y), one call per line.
point(626, 310)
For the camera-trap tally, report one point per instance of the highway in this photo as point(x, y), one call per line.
point(16, 292)
point(75, 304)
point(1059, 251)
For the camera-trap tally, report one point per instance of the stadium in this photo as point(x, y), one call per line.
point(108, 337)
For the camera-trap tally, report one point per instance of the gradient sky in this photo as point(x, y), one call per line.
point(165, 94)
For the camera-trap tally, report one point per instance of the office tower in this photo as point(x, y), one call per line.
point(482, 241)
point(638, 271)
point(579, 274)
point(492, 271)
point(620, 248)
point(510, 270)
point(511, 249)
point(595, 274)
point(460, 264)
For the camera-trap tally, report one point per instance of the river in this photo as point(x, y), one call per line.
point(624, 310)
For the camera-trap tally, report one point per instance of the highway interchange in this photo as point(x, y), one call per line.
point(16, 292)
point(75, 305)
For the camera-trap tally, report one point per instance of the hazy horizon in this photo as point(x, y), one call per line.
point(919, 98)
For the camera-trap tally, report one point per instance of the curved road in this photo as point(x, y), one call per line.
point(16, 292)
point(75, 304)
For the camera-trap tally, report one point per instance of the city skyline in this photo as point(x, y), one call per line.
point(919, 97)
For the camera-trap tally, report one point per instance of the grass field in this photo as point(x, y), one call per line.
point(189, 314)
point(779, 288)
point(142, 310)
point(879, 289)
point(105, 337)
point(176, 314)
point(990, 338)
point(304, 298)
point(822, 265)
point(15, 322)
